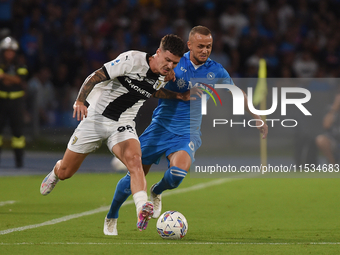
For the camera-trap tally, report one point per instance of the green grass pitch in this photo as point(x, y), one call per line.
point(230, 216)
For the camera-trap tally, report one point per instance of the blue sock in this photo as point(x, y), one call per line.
point(122, 192)
point(172, 179)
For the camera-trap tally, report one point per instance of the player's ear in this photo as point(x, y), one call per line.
point(189, 45)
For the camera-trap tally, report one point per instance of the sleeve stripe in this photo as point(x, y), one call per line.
point(106, 73)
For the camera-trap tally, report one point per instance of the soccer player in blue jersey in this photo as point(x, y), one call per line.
point(172, 131)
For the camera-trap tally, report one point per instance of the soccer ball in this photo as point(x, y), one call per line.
point(117, 165)
point(172, 225)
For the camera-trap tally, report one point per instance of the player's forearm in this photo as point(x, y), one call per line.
point(329, 120)
point(94, 78)
point(166, 94)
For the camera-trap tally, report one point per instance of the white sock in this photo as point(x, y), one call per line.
point(54, 176)
point(140, 198)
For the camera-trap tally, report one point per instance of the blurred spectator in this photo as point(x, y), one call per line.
point(273, 62)
point(41, 92)
point(218, 54)
point(84, 34)
point(61, 82)
point(6, 13)
point(181, 25)
point(231, 38)
point(31, 44)
point(305, 66)
point(233, 17)
point(285, 14)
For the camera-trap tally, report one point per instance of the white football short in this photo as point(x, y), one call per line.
point(90, 134)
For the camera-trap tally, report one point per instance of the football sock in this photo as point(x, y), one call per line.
point(140, 199)
point(54, 176)
point(172, 179)
point(122, 192)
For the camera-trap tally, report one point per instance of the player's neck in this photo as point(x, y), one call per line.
point(195, 65)
point(152, 64)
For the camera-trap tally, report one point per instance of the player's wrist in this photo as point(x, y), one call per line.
point(179, 96)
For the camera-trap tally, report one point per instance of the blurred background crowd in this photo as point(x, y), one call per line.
point(62, 42)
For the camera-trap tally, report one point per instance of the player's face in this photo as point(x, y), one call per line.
point(166, 61)
point(200, 47)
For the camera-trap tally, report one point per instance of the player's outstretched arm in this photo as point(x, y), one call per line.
point(185, 96)
point(79, 108)
point(166, 94)
point(331, 115)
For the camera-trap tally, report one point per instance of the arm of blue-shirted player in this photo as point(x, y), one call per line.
point(79, 108)
point(262, 128)
point(331, 115)
point(185, 96)
point(168, 94)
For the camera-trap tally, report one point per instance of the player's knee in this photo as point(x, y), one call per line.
point(133, 161)
point(321, 141)
point(175, 176)
point(185, 165)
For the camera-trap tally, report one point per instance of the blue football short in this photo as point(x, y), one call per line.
point(157, 140)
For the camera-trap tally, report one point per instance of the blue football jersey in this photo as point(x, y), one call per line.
point(183, 117)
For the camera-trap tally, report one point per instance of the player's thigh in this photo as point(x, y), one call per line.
point(123, 141)
point(155, 141)
point(87, 137)
point(182, 151)
point(70, 164)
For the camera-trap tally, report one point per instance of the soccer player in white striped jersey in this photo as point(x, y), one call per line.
point(107, 104)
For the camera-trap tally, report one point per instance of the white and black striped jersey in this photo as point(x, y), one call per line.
point(130, 82)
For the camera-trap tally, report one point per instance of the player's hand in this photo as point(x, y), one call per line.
point(263, 130)
point(170, 76)
point(191, 94)
point(194, 93)
point(79, 110)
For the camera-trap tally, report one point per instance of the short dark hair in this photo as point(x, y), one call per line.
point(200, 30)
point(174, 44)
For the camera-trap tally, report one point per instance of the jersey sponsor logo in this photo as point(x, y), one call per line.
point(210, 76)
point(181, 83)
point(75, 139)
point(125, 128)
point(183, 70)
point(115, 62)
point(136, 88)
